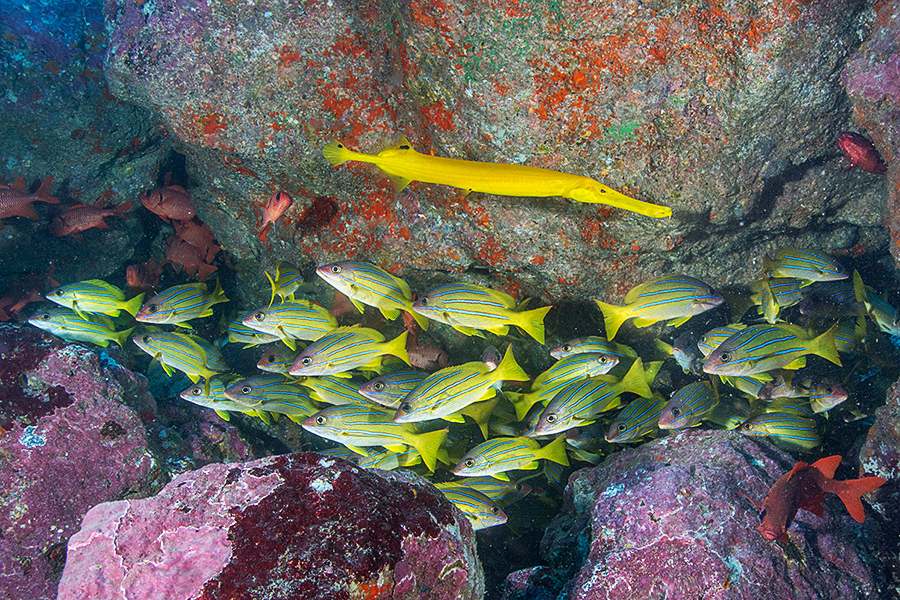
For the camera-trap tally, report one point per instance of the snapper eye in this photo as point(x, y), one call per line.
point(306, 361)
point(725, 356)
point(495, 510)
point(378, 386)
point(320, 420)
point(406, 407)
point(246, 389)
point(551, 418)
point(335, 269)
point(259, 316)
point(621, 427)
point(675, 412)
point(45, 317)
point(423, 300)
point(567, 348)
point(270, 358)
point(470, 463)
point(196, 391)
point(603, 360)
point(829, 390)
point(152, 308)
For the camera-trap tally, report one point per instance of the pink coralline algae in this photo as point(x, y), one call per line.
point(292, 526)
point(69, 443)
point(669, 519)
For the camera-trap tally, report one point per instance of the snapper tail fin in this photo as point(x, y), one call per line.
point(556, 451)
point(824, 346)
point(532, 322)
point(613, 317)
point(635, 380)
point(397, 347)
point(851, 491)
point(428, 445)
point(134, 305)
point(509, 369)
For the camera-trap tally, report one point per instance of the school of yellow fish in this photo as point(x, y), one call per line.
point(354, 386)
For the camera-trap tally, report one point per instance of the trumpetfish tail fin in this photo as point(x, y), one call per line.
point(601, 194)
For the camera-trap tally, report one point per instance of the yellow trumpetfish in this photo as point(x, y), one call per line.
point(403, 164)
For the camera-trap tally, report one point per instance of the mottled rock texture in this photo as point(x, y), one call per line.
point(69, 442)
point(880, 454)
point(726, 111)
point(872, 79)
point(59, 119)
point(668, 519)
point(293, 526)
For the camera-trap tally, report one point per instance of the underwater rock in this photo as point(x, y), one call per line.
point(68, 442)
point(292, 526)
point(682, 104)
point(880, 454)
point(669, 519)
point(59, 119)
point(872, 79)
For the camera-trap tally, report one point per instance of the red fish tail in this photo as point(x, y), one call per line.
point(124, 208)
point(263, 232)
point(204, 270)
point(43, 192)
point(851, 491)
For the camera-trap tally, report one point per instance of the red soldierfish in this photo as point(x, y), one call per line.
point(179, 252)
point(805, 487)
point(143, 276)
point(275, 206)
point(15, 200)
point(83, 216)
point(861, 153)
point(199, 236)
point(170, 202)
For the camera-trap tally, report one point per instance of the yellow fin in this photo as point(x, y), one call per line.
point(556, 451)
point(613, 317)
point(223, 414)
point(532, 322)
point(428, 445)
point(676, 322)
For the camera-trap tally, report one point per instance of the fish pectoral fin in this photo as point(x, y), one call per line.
point(169, 370)
point(182, 325)
point(502, 330)
point(224, 415)
point(192, 377)
point(677, 322)
point(397, 448)
point(455, 418)
point(359, 305)
point(390, 314)
point(266, 417)
point(531, 466)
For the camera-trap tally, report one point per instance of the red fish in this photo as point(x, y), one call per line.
point(861, 153)
point(24, 292)
point(170, 202)
point(84, 216)
point(200, 236)
point(15, 200)
point(183, 254)
point(276, 206)
point(143, 276)
point(805, 487)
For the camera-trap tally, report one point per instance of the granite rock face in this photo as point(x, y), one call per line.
point(668, 519)
point(872, 80)
point(292, 526)
point(69, 442)
point(726, 111)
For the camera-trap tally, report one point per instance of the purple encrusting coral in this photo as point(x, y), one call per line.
point(293, 526)
point(69, 443)
point(669, 519)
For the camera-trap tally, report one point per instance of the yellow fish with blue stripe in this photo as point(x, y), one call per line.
point(278, 360)
point(804, 264)
point(209, 394)
point(181, 303)
point(290, 321)
point(69, 325)
point(286, 281)
point(764, 348)
point(359, 427)
point(499, 455)
point(348, 348)
point(672, 298)
point(688, 406)
point(95, 296)
point(480, 510)
point(241, 334)
point(403, 165)
point(454, 388)
point(366, 284)
point(193, 356)
point(785, 429)
point(468, 308)
point(636, 420)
